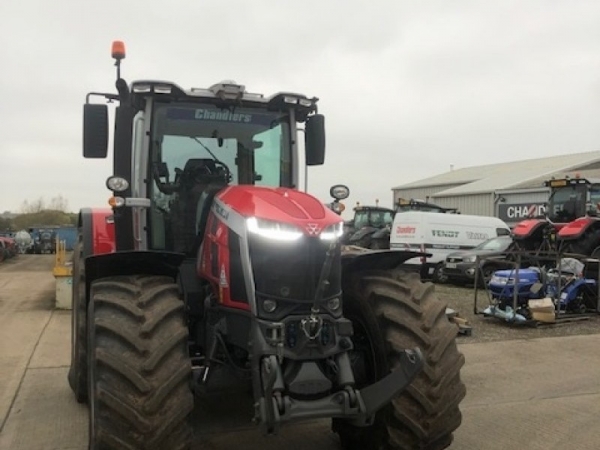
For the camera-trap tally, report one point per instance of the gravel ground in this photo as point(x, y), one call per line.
point(488, 329)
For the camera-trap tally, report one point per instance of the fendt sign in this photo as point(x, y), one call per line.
point(511, 212)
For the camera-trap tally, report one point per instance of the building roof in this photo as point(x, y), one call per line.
point(487, 178)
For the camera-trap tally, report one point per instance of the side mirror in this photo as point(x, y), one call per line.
point(95, 130)
point(314, 140)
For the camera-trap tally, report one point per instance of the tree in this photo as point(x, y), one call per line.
point(32, 207)
point(59, 203)
point(5, 224)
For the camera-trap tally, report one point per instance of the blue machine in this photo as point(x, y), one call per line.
point(565, 285)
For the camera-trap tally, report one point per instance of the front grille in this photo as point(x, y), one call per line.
point(290, 271)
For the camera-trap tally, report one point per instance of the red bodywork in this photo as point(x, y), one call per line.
point(569, 230)
point(526, 227)
point(280, 205)
point(103, 231)
point(575, 228)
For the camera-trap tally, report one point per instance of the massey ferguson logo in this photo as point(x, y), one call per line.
point(313, 229)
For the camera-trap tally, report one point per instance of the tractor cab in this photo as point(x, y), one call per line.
point(572, 198)
point(372, 216)
point(174, 149)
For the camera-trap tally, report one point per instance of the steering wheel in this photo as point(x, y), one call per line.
point(200, 174)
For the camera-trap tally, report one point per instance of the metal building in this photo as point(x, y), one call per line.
point(511, 191)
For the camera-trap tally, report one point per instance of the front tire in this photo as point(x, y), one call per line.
point(393, 311)
point(78, 372)
point(139, 367)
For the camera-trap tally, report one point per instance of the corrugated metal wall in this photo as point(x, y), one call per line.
point(421, 193)
point(476, 204)
point(526, 196)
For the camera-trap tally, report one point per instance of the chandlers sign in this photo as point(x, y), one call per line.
point(509, 212)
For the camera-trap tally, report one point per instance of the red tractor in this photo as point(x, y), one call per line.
point(213, 274)
point(571, 223)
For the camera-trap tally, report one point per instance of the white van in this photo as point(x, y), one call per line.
point(440, 234)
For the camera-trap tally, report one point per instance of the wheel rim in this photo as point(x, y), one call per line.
point(440, 275)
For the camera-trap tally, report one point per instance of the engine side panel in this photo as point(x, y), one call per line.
point(219, 260)
point(98, 231)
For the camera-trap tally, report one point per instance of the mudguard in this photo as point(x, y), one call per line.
point(362, 233)
point(383, 233)
point(527, 228)
point(131, 263)
point(355, 258)
point(575, 229)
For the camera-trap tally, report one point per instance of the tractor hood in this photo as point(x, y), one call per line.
point(281, 205)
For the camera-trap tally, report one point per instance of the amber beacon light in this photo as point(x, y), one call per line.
point(118, 50)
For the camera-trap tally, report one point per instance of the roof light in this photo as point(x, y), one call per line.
point(141, 88)
point(118, 50)
point(290, 100)
point(162, 89)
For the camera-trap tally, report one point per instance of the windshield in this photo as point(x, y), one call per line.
point(200, 149)
point(568, 203)
point(253, 145)
point(495, 244)
point(373, 218)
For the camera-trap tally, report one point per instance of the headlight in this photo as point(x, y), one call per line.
point(333, 232)
point(117, 184)
point(339, 191)
point(269, 305)
point(273, 230)
point(501, 280)
point(498, 280)
point(470, 259)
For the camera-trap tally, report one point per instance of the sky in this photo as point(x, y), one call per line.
point(408, 88)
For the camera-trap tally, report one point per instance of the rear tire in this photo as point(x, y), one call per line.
point(78, 371)
point(392, 311)
point(139, 366)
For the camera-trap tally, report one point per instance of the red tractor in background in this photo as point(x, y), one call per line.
point(213, 274)
point(571, 224)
